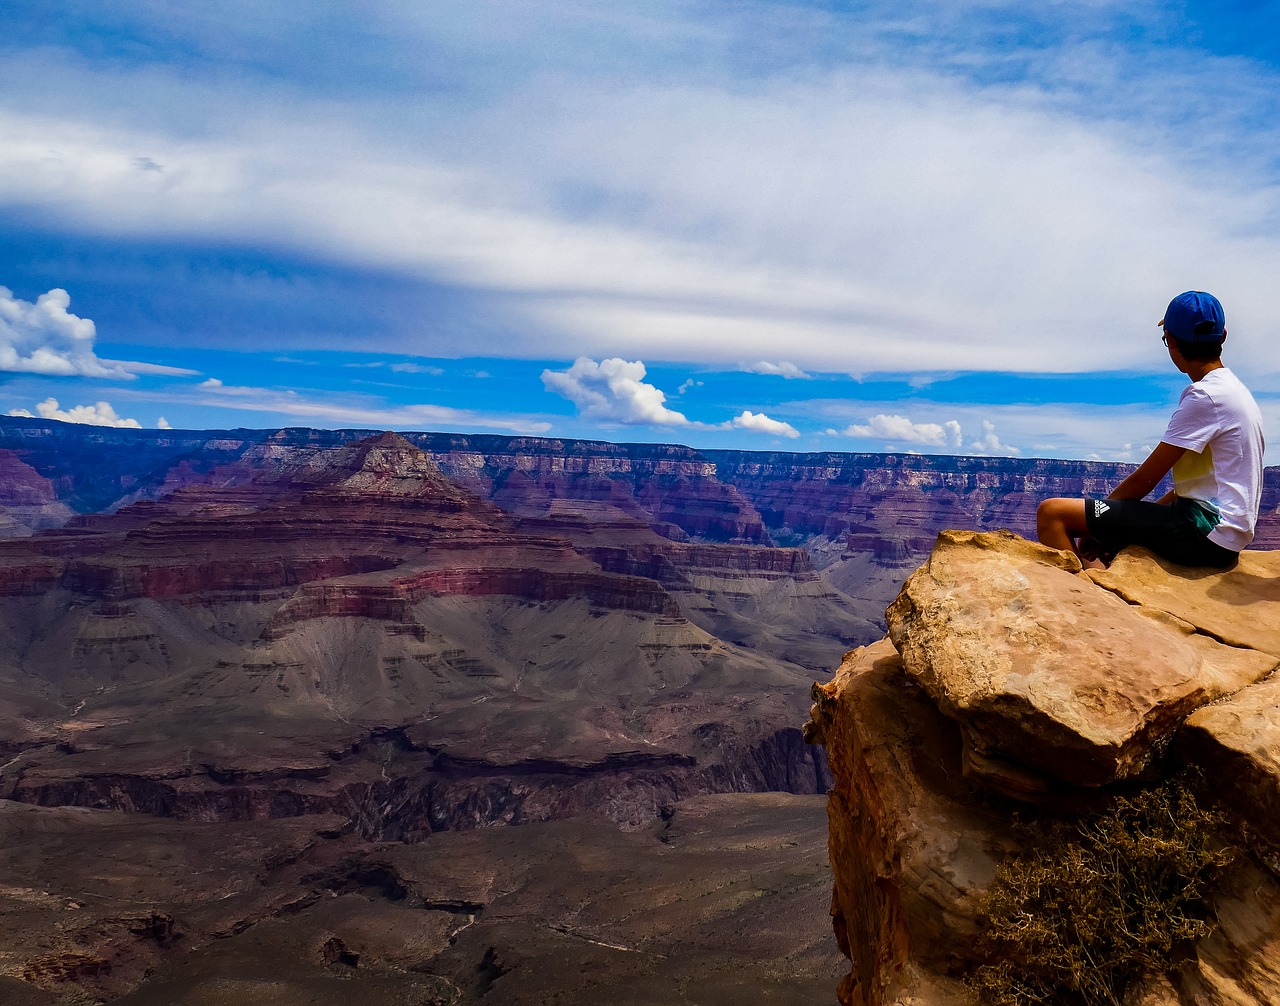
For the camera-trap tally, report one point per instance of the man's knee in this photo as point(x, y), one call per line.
point(1065, 514)
point(1057, 510)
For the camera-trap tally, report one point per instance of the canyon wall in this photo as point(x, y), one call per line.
point(887, 507)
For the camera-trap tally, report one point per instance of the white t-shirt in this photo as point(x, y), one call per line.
point(1219, 424)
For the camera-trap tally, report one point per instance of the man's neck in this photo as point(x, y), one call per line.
point(1196, 369)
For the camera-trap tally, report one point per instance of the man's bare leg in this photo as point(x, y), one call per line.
point(1060, 523)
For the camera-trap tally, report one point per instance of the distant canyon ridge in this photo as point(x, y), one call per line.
point(882, 511)
point(326, 649)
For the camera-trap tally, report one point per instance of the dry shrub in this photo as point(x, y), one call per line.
point(1095, 903)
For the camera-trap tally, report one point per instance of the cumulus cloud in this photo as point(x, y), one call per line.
point(99, 414)
point(781, 369)
point(758, 422)
point(46, 338)
point(989, 442)
point(163, 424)
point(613, 390)
point(902, 430)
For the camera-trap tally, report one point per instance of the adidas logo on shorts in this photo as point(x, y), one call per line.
point(1099, 508)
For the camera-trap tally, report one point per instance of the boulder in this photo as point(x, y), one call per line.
point(1010, 672)
point(1047, 675)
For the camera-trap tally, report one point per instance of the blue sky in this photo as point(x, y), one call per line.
point(936, 226)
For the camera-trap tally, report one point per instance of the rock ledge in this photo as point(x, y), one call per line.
point(1013, 681)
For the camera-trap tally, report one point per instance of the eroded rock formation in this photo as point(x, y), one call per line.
point(337, 627)
point(866, 519)
point(1014, 684)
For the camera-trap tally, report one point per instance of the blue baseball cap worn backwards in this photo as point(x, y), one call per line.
point(1195, 316)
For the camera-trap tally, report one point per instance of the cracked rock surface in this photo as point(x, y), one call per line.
point(1012, 683)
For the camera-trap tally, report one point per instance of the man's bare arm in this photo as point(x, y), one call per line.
point(1149, 473)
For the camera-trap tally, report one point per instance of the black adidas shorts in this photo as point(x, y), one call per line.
point(1169, 531)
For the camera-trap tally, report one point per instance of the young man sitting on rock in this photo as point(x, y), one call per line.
point(1213, 445)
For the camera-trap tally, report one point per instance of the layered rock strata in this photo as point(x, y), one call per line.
point(885, 507)
point(337, 627)
point(1013, 684)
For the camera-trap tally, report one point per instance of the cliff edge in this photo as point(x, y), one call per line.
point(1015, 688)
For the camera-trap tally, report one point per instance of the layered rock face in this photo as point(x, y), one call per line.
point(1013, 684)
point(865, 519)
point(336, 627)
point(27, 499)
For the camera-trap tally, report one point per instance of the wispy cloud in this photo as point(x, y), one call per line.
point(337, 411)
point(727, 220)
point(781, 369)
point(134, 367)
point(399, 368)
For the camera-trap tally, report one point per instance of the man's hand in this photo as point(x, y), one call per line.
point(1092, 549)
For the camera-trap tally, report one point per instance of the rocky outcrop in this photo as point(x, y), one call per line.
point(1014, 685)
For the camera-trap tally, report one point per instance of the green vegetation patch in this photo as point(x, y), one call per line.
point(1098, 902)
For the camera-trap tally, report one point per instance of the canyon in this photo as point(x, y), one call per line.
point(453, 718)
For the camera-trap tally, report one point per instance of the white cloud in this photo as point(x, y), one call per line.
point(1052, 430)
point(163, 424)
point(100, 414)
point(349, 412)
point(613, 390)
point(134, 367)
point(46, 338)
point(399, 368)
point(900, 429)
point(758, 422)
point(703, 246)
point(990, 443)
point(781, 369)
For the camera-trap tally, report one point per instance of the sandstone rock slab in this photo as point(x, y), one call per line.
point(1043, 669)
point(1236, 606)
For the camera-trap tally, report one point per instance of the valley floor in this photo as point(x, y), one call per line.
point(724, 900)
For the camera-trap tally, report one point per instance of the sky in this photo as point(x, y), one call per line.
point(947, 227)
